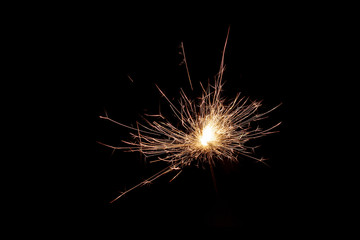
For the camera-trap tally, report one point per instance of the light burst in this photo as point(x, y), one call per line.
point(211, 128)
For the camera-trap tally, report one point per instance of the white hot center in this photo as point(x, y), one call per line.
point(208, 135)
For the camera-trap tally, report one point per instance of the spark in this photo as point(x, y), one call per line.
point(208, 130)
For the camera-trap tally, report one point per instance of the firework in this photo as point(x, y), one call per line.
point(207, 130)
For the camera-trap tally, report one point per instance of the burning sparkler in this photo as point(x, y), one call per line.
point(211, 129)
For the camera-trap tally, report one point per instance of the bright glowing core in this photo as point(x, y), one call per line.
point(208, 135)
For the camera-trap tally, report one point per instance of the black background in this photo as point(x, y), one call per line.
point(279, 62)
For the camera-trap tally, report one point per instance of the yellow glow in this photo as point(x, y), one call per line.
point(208, 135)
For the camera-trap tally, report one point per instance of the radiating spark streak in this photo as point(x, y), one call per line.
point(176, 176)
point(208, 130)
point(163, 94)
point(111, 120)
point(186, 65)
point(154, 115)
point(115, 148)
point(130, 79)
point(147, 181)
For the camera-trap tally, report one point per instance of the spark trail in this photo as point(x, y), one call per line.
point(212, 129)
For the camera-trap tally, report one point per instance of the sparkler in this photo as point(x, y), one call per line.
point(211, 129)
